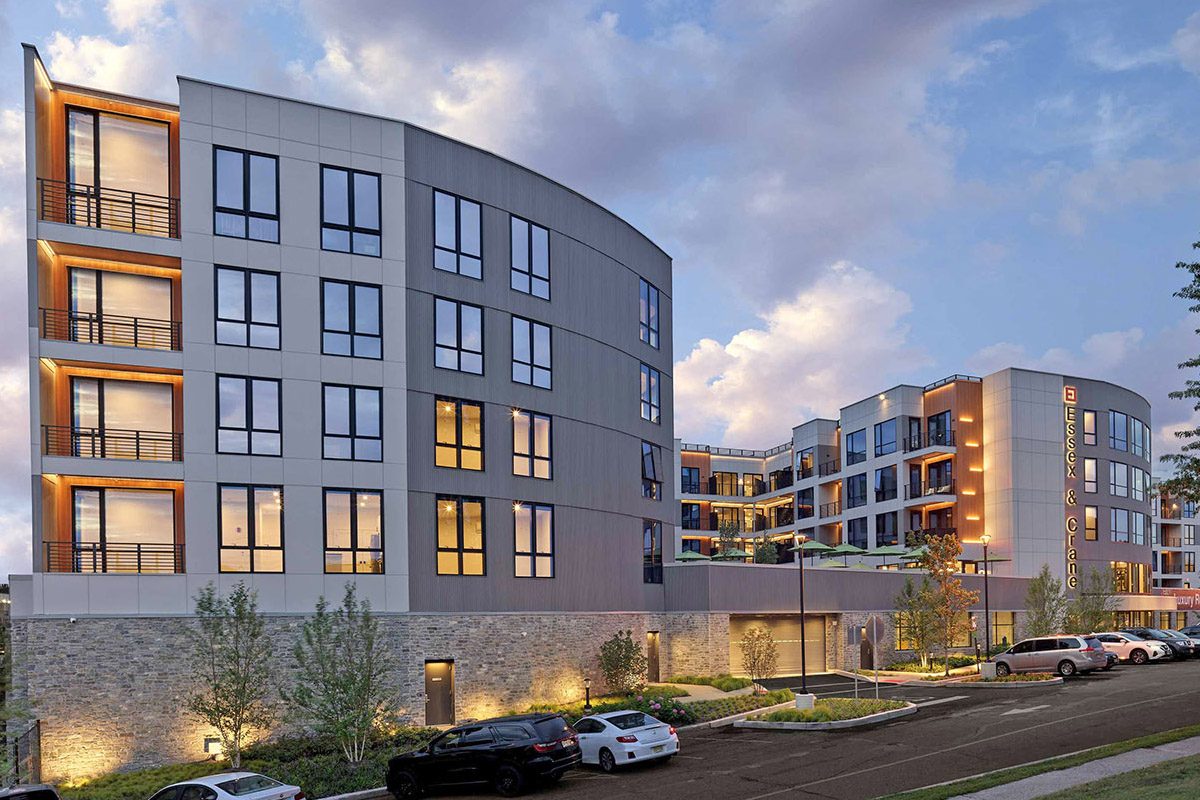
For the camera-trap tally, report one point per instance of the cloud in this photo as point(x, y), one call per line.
point(1113, 185)
point(129, 15)
point(1186, 44)
point(136, 68)
point(841, 339)
point(968, 65)
point(1099, 354)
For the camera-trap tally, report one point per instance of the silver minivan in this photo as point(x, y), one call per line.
point(1066, 655)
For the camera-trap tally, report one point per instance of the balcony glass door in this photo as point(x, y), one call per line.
point(118, 171)
point(122, 419)
point(120, 308)
point(123, 530)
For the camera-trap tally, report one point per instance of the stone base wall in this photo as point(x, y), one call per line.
point(110, 692)
point(841, 655)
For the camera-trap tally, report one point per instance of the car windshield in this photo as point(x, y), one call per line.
point(1171, 634)
point(634, 719)
point(248, 784)
point(552, 728)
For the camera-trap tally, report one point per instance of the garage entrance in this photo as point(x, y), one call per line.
point(786, 630)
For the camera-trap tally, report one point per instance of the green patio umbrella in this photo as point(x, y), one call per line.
point(845, 550)
point(916, 554)
point(888, 550)
point(861, 565)
point(811, 548)
point(832, 563)
point(691, 555)
point(730, 555)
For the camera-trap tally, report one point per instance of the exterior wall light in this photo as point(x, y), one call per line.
point(212, 747)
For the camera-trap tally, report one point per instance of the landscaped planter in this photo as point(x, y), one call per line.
point(869, 719)
point(962, 683)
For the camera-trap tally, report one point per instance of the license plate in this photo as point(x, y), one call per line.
point(659, 748)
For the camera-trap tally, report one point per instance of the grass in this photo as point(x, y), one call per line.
point(1164, 781)
point(708, 710)
point(1015, 677)
point(832, 709)
point(1001, 777)
point(642, 701)
point(726, 683)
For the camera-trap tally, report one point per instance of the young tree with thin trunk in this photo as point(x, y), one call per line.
point(914, 615)
point(949, 601)
point(1092, 609)
point(1045, 605)
point(728, 536)
point(231, 661)
point(760, 654)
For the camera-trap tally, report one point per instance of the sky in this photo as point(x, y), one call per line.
point(855, 193)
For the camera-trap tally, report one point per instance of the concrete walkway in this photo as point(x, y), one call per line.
point(701, 692)
point(1058, 780)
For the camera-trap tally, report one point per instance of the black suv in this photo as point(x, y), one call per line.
point(507, 753)
point(1180, 647)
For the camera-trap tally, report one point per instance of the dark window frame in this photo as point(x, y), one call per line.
point(245, 211)
point(652, 485)
point(532, 364)
point(353, 549)
point(352, 409)
point(527, 272)
point(458, 445)
point(531, 455)
point(459, 550)
point(351, 306)
point(251, 532)
point(652, 551)
point(350, 227)
point(457, 252)
point(458, 348)
point(648, 326)
point(533, 554)
point(851, 496)
point(688, 511)
point(856, 456)
point(881, 447)
point(247, 297)
point(249, 430)
point(651, 398)
point(103, 509)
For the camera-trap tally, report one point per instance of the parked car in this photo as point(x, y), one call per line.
point(624, 737)
point(230, 786)
point(1193, 640)
point(1110, 660)
point(507, 753)
point(29, 792)
point(1066, 655)
point(1180, 647)
point(1133, 648)
point(1192, 630)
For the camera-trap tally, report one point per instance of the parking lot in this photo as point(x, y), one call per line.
point(957, 732)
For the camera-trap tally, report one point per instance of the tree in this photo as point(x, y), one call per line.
point(1185, 484)
point(623, 663)
point(1045, 604)
point(342, 689)
point(231, 661)
point(729, 536)
point(948, 600)
point(765, 551)
point(15, 714)
point(914, 614)
point(760, 654)
point(1095, 601)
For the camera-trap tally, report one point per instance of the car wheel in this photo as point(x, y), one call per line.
point(1002, 669)
point(405, 786)
point(608, 761)
point(509, 781)
point(1139, 657)
point(1066, 668)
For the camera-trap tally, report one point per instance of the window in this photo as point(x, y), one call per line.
point(1089, 427)
point(725, 483)
point(689, 480)
point(459, 434)
point(1137, 484)
point(1146, 437)
point(351, 319)
point(1118, 430)
point(887, 531)
point(114, 418)
point(460, 537)
point(651, 471)
point(1119, 524)
point(352, 422)
point(110, 155)
point(939, 429)
point(350, 211)
point(804, 503)
point(122, 530)
point(250, 528)
point(650, 402)
point(1189, 535)
point(856, 446)
point(1137, 437)
point(457, 235)
point(885, 484)
point(885, 437)
point(530, 258)
point(1138, 527)
point(248, 416)
point(752, 484)
point(531, 445)
point(353, 531)
point(118, 308)
point(458, 336)
point(533, 547)
point(1004, 624)
point(1090, 532)
point(1118, 479)
point(247, 308)
point(648, 313)
point(856, 532)
point(652, 557)
point(530, 352)
point(245, 195)
point(856, 491)
point(690, 513)
point(1089, 475)
point(804, 463)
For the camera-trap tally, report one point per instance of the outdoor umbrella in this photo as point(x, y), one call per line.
point(812, 548)
point(730, 555)
point(845, 550)
point(889, 550)
point(916, 554)
point(832, 564)
point(691, 555)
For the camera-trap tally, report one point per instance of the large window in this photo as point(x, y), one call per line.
point(1137, 527)
point(118, 173)
point(725, 483)
point(353, 531)
point(1089, 475)
point(533, 545)
point(119, 308)
point(351, 319)
point(350, 211)
point(113, 418)
point(250, 528)
point(887, 531)
point(1118, 430)
point(1089, 427)
point(689, 480)
point(246, 195)
point(531, 362)
point(530, 258)
point(1119, 524)
point(1138, 483)
point(804, 503)
point(856, 532)
point(1090, 524)
point(856, 491)
point(690, 514)
point(247, 308)
point(458, 332)
point(856, 446)
point(1137, 436)
point(248, 416)
point(352, 422)
point(460, 536)
point(885, 437)
point(885, 484)
point(122, 530)
point(940, 431)
point(652, 551)
point(648, 313)
point(650, 392)
point(459, 434)
point(457, 235)
point(532, 445)
point(1118, 479)
point(651, 471)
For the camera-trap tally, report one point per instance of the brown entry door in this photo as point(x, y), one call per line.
point(652, 671)
point(439, 692)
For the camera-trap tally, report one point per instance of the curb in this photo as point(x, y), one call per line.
point(870, 719)
point(362, 794)
point(1055, 681)
point(723, 721)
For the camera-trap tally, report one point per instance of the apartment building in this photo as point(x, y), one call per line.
point(1174, 556)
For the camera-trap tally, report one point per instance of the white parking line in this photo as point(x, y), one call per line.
point(943, 700)
point(1029, 710)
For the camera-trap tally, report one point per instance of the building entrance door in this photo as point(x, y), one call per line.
point(439, 692)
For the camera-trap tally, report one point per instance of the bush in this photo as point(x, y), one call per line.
point(832, 709)
point(724, 682)
point(708, 710)
point(608, 702)
point(1022, 677)
point(956, 661)
point(623, 663)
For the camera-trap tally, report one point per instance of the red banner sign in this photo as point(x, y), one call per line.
point(1185, 599)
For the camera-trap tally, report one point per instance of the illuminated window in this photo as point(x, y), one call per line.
point(247, 308)
point(350, 211)
point(113, 418)
point(118, 308)
point(1089, 427)
point(1189, 535)
point(651, 408)
point(533, 545)
point(457, 235)
point(353, 531)
point(460, 536)
point(530, 271)
point(1089, 475)
point(352, 422)
point(531, 357)
point(351, 319)
point(246, 195)
point(648, 313)
point(1090, 523)
point(1003, 628)
point(459, 434)
point(248, 416)
point(119, 530)
point(532, 445)
point(250, 528)
point(458, 336)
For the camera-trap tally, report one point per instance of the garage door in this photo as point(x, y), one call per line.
point(786, 630)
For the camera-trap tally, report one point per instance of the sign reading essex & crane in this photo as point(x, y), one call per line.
point(1069, 398)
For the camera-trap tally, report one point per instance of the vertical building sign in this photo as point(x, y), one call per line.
point(1072, 523)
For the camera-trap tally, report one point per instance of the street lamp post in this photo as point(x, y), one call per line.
point(587, 695)
point(800, 540)
point(987, 611)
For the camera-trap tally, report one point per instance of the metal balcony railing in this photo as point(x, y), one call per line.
point(109, 208)
point(690, 487)
point(885, 494)
point(64, 440)
point(918, 441)
point(102, 557)
point(831, 509)
point(919, 489)
point(115, 329)
point(829, 468)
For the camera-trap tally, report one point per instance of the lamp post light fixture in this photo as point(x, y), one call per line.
point(804, 699)
point(587, 695)
point(987, 611)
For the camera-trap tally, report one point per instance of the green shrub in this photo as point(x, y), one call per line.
point(623, 663)
point(832, 709)
point(608, 702)
point(956, 661)
point(708, 710)
point(1022, 677)
point(725, 682)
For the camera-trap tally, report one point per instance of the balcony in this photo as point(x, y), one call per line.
point(885, 494)
point(690, 487)
point(72, 442)
point(918, 441)
point(111, 557)
point(829, 468)
point(831, 509)
point(108, 208)
point(930, 488)
point(111, 329)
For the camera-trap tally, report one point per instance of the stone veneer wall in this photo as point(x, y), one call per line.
point(110, 691)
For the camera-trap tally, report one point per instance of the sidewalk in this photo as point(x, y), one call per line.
point(1058, 780)
point(697, 692)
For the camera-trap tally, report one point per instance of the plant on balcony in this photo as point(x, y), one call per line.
point(1045, 605)
point(342, 691)
point(947, 599)
point(622, 663)
point(760, 655)
point(231, 660)
point(1095, 601)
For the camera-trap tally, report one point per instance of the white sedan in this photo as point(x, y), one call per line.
point(1130, 647)
point(624, 737)
point(227, 785)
